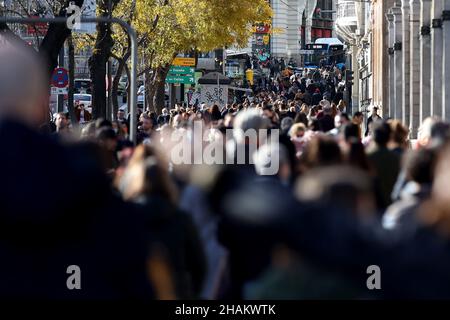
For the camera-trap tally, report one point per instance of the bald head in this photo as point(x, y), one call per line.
point(23, 85)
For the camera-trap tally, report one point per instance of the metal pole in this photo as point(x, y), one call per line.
point(132, 34)
point(218, 89)
point(108, 92)
point(61, 65)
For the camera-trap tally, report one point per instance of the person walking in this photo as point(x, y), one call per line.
point(373, 117)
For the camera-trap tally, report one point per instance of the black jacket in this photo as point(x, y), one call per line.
point(369, 121)
point(174, 232)
point(57, 210)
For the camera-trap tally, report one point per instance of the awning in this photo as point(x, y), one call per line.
point(240, 89)
point(237, 53)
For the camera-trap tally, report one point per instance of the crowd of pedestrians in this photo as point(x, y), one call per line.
point(347, 195)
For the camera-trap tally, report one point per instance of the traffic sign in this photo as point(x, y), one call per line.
point(181, 79)
point(184, 62)
point(176, 70)
point(55, 90)
point(60, 78)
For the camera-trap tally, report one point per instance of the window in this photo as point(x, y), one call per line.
point(346, 9)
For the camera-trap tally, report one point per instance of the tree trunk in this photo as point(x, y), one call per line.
point(115, 86)
point(98, 61)
point(70, 105)
point(160, 80)
point(151, 89)
point(149, 92)
point(55, 37)
point(128, 89)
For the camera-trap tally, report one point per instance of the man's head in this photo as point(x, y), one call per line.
point(107, 138)
point(358, 118)
point(61, 121)
point(351, 132)
point(325, 103)
point(286, 124)
point(381, 133)
point(268, 111)
point(375, 111)
point(341, 120)
point(419, 165)
point(327, 110)
point(121, 114)
point(147, 123)
point(23, 84)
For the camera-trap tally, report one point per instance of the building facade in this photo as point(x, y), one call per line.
point(405, 41)
point(420, 30)
point(296, 23)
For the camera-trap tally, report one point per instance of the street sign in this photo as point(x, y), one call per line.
point(60, 78)
point(55, 90)
point(184, 62)
point(176, 70)
point(181, 79)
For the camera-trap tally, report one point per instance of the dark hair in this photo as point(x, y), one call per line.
point(301, 118)
point(123, 144)
point(419, 165)
point(357, 114)
point(314, 125)
point(267, 107)
point(345, 116)
point(381, 133)
point(215, 113)
point(152, 115)
point(440, 131)
point(322, 151)
point(399, 132)
point(356, 156)
point(105, 133)
point(100, 123)
point(47, 128)
point(351, 131)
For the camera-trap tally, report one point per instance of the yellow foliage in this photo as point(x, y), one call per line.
point(168, 27)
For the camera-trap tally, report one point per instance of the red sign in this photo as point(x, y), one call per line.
point(37, 29)
point(60, 78)
point(265, 28)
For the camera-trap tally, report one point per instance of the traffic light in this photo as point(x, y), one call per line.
point(349, 78)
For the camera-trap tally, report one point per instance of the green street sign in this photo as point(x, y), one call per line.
point(175, 70)
point(181, 79)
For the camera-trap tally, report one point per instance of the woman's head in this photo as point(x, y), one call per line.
point(297, 130)
point(147, 176)
point(322, 151)
point(399, 133)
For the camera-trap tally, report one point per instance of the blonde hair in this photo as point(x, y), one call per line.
point(295, 128)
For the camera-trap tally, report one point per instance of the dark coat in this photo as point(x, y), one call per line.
point(386, 165)
point(174, 231)
point(326, 123)
point(58, 210)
